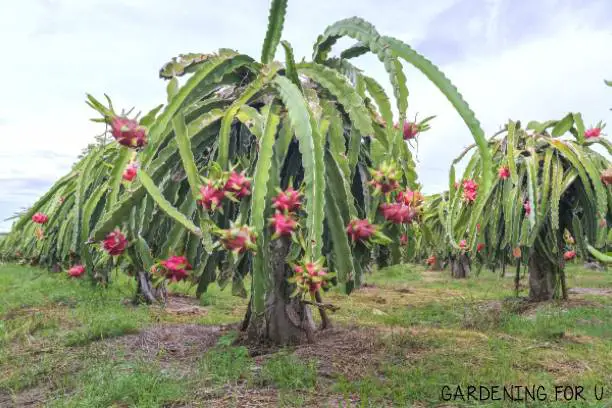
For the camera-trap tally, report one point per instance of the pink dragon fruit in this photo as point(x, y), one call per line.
point(175, 268)
point(238, 239)
point(76, 271)
point(211, 195)
point(360, 230)
point(283, 224)
point(411, 130)
point(288, 200)
point(130, 172)
point(409, 197)
point(40, 218)
point(404, 240)
point(128, 132)
point(592, 133)
point(310, 277)
point(238, 185)
point(503, 172)
point(397, 213)
point(527, 207)
point(115, 242)
point(606, 176)
point(470, 188)
point(569, 255)
point(384, 179)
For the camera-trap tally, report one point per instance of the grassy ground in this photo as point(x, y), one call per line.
point(397, 342)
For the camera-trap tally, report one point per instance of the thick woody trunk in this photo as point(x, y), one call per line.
point(541, 277)
point(286, 320)
point(146, 292)
point(460, 266)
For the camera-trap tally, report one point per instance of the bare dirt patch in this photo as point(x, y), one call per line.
point(184, 305)
point(591, 291)
point(565, 369)
point(241, 396)
point(404, 290)
point(346, 351)
point(171, 342)
point(268, 397)
point(349, 351)
point(33, 397)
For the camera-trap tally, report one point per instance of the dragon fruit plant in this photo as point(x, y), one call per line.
point(551, 185)
point(212, 161)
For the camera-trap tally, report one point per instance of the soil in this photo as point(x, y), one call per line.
point(32, 397)
point(184, 305)
point(591, 291)
point(170, 342)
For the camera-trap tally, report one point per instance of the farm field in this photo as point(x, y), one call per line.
point(395, 342)
point(278, 219)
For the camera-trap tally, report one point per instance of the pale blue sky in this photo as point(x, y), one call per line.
point(519, 59)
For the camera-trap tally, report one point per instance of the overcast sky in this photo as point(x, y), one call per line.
point(519, 59)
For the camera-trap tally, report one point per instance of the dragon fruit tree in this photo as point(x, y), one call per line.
point(292, 173)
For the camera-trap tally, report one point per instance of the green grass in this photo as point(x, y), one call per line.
point(287, 372)
point(132, 384)
point(62, 345)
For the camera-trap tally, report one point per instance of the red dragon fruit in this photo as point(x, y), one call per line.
point(409, 197)
point(130, 171)
point(310, 277)
point(411, 130)
point(592, 132)
point(360, 230)
point(238, 239)
point(128, 132)
point(175, 268)
point(283, 224)
point(503, 172)
point(40, 218)
point(469, 190)
point(384, 179)
point(480, 247)
point(238, 185)
point(76, 271)
point(527, 207)
point(569, 255)
point(431, 260)
point(606, 176)
point(115, 242)
point(288, 200)
point(211, 195)
point(397, 213)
